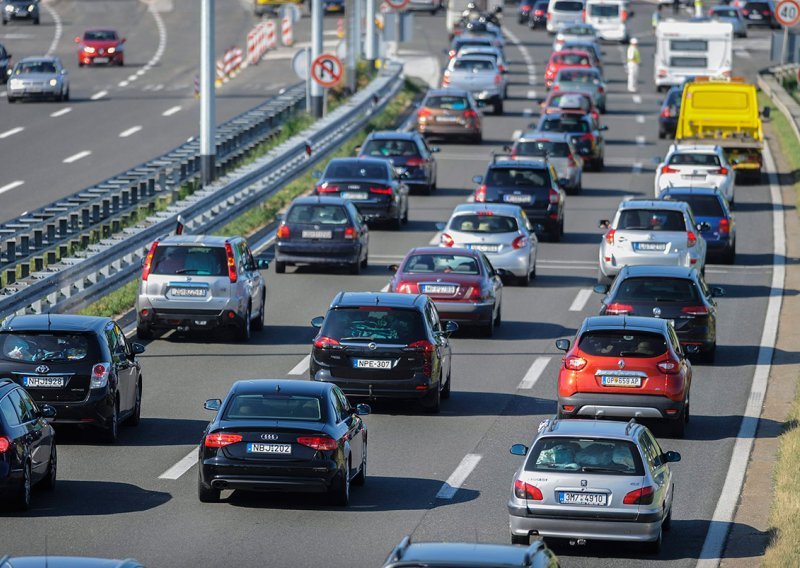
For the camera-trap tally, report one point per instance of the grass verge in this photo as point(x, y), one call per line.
point(788, 142)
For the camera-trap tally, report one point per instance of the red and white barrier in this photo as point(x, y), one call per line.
point(287, 33)
point(272, 34)
point(220, 72)
point(257, 43)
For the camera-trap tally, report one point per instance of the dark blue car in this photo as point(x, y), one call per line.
point(668, 115)
point(711, 208)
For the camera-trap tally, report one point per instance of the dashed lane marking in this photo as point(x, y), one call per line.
point(533, 374)
point(641, 140)
point(10, 186)
point(132, 130)
point(170, 111)
point(580, 300)
point(527, 112)
point(61, 112)
point(516, 134)
point(637, 99)
point(640, 118)
point(78, 156)
point(302, 367)
point(177, 470)
point(458, 477)
point(11, 132)
point(99, 95)
point(385, 287)
point(636, 168)
point(436, 239)
point(531, 94)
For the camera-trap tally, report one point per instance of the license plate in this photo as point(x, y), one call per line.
point(649, 246)
point(755, 16)
point(693, 176)
point(611, 381)
point(485, 248)
point(446, 119)
point(518, 198)
point(438, 289)
point(43, 382)
point(188, 292)
point(101, 59)
point(354, 195)
point(317, 234)
point(372, 364)
point(576, 498)
point(269, 448)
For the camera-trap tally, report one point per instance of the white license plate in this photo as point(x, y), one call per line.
point(354, 195)
point(317, 234)
point(438, 289)
point(485, 248)
point(755, 16)
point(693, 176)
point(269, 448)
point(518, 198)
point(576, 498)
point(188, 292)
point(101, 59)
point(372, 364)
point(43, 382)
point(611, 381)
point(446, 118)
point(649, 246)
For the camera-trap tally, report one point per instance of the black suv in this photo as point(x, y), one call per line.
point(27, 446)
point(83, 366)
point(530, 183)
point(380, 344)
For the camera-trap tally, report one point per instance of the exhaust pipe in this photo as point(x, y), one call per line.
point(183, 328)
point(219, 484)
point(578, 542)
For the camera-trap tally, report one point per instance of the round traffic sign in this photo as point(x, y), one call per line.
point(327, 70)
point(787, 12)
point(300, 63)
point(397, 4)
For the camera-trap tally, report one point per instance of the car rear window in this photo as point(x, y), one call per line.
point(688, 62)
point(702, 205)
point(389, 148)
point(622, 343)
point(726, 13)
point(355, 170)
point(190, 260)
point(447, 102)
point(542, 148)
point(434, 263)
point(657, 290)
point(604, 10)
point(33, 347)
point(571, 59)
point(476, 223)
point(577, 31)
point(578, 76)
point(318, 215)
point(761, 6)
point(568, 6)
point(570, 100)
point(585, 455)
point(651, 220)
point(689, 159)
point(371, 323)
point(570, 125)
point(473, 65)
point(272, 407)
point(518, 177)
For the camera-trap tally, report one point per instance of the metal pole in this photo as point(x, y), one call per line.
point(785, 46)
point(316, 50)
point(207, 94)
point(397, 15)
point(357, 27)
point(350, 59)
point(307, 52)
point(371, 41)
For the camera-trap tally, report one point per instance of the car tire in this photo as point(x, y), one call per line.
point(49, 481)
point(555, 233)
point(5, 22)
point(280, 267)
point(355, 268)
point(397, 223)
point(478, 139)
point(258, 323)
point(12, 100)
point(365, 262)
point(111, 432)
point(446, 389)
point(730, 255)
point(708, 357)
point(498, 319)
point(66, 95)
point(22, 498)
point(136, 416)
point(666, 524)
point(244, 331)
point(433, 401)
point(36, 21)
point(487, 330)
point(524, 281)
point(361, 477)
point(206, 494)
point(340, 490)
point(144, 332)
point(498, 108)
point(662, 134)
point(521, 539)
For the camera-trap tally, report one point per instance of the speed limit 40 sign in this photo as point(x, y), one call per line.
point(787, 12)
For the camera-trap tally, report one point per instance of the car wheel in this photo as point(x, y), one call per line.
point(22, 499)
point(666, 524)
point(340, 489)
point(36, 21)
point(446, 389)
point(405, 215)
point(111, 431)
point(361, 477)
point(206, 494)
point(66, 95)
point(136, 417)
point(498, 319)
point(708, 357)
point(555, 233)
point(397, 222)
point(523, 280)
point(677, 427)
point(258, 324)
point(521, 539)
point(498, 108)
point(355, 268)
point(432, 401)
point(730, 255)
point(662, 134)
point(243, 332)
point(49, 481)
point(365, 262)
point(144, 332)
point(121, 62)
point(5, 22)
point(280, 267)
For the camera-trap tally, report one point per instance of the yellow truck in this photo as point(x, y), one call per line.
point(724, 112)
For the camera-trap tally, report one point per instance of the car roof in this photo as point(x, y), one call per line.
point(591, 70)
point(321, 199)
point(284, 386)
point(465, 554)
point(360, 160)
point(590, 428)
point(537, 163)
point(200, 240)
point(503, 208)
point(54, 322)
point(393, 135)
point(624, 322)
point(536, 135)
point(653, 204)
point(66, 562)
point(442, 250)
point(656, 271)
point(384, 299)
point(566, 112)
point(680, 148)
point(448, 91)
point(100, 30)
point(571, 52)
point(35, 58)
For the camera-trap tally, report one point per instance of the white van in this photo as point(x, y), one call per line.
point(692, 49)
point(609, 18)
point(562, 13)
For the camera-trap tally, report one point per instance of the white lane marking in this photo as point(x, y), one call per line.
point(181, 467)
point(11, 132)
point(435, 239)
point(132, 77)
point(531, 94)
point(3, 93)
point(162, 40)
point(640, 118)
point(61, 112)
point(302, 367)
point(123, 84)
point(128, 132)
point(637, 99)
point(10, 186)
point(76, 157)
point(641, 140)
point(729, 495)
point(98, 95)
point(170, 111)
point(580, 300)
point(458, 477)
point(516, 134)
point(141, 72)
point(537, 368)
point(527, 112)
point(636, 168)
point(471, 199)
point(58, 31)
point(386, 287)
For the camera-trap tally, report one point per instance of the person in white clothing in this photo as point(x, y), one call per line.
point(634, 59)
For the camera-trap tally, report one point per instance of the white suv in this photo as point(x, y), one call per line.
point(701, 165)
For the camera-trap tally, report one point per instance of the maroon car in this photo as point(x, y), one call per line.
point(462, 283)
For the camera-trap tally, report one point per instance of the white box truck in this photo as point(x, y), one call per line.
point(692, 49)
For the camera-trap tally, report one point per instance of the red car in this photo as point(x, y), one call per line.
point(625, 367)
point(565, 58)
point(462, 283)
point(558, 101)
point(100, 46)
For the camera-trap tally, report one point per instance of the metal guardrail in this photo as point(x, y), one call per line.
point(41, 237)
point(113, 260)
point(771, 82)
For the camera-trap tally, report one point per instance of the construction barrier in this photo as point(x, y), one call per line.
point(272, 34)
point(287, 35)
point(256, 44)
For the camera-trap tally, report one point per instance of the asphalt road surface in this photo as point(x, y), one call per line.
point(111, 501)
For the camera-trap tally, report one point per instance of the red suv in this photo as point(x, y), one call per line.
point(625, 367)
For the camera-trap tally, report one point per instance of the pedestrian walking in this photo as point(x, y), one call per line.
point(656, 17)
point(634, 59)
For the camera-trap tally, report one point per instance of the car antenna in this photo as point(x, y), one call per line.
point(49, 323)
point(631, 424)
point(277, 388)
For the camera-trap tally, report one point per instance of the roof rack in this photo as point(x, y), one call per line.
point(502, 156)
point(631, 423)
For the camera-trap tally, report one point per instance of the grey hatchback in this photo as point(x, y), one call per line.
point(472, 554)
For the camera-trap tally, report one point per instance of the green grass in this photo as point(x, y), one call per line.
point(117, 302)
point(787, 141)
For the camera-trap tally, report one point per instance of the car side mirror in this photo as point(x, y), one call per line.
point(47, 411)
point(317, 321)
point(363, 409)
point(262, 263)
point(703, 227)
point(766, 112)
point(600, 289)
point(212, 404)
point(562, 344)
point(137, 348)
point(435, 150)
point(717, 292)
point(671, 457)
point(394, 267)
point(477, 179)
point(316, 174)
point(604, 224)
point(519, 450)
point(450, 327)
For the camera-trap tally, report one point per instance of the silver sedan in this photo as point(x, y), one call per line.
point(38, 78)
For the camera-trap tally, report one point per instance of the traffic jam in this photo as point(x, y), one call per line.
point(599, 467)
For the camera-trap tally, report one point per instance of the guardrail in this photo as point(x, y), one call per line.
point(114, 260)
point(39, 238)
point(771, 82)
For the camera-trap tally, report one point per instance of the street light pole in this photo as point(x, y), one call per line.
point(207, 94)
point(317, 91)
point(370, 42)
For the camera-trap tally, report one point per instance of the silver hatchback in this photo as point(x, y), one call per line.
point(38, 78)
point(592, 480)
point(199, 282)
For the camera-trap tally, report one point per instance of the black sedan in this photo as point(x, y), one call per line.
point(372, 185)
point(410, 155)
point(586, 133)
point(538, 15)
point(322, 231)
point(5, 64)
point(83, 366)
point(670, 110)
point(27, 446)
point(670, 292)
point(283, 435)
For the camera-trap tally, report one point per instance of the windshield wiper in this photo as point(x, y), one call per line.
point(594, 469)
point(666, 300)
point(359, 339)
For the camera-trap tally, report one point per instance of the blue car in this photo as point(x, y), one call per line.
point(710, 208)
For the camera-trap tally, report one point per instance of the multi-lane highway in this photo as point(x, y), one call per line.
point(436, 477)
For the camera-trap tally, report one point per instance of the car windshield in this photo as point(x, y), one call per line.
point(657, 290)
point(702, 205)
point(651, 220)
point(568, 6)
point(483, 223)
point(726, 13)
point(473, 65)
point(389, 148)
point(318, 215)
point(585, 455)
point(570, 100)
point(622, 343)
point(191, 260)
point(100, 35)
point(542, 148)
point(374, 323)
point(25, 67)
point(355, 170)
point(273, 407)
point(604, 10)
point(511, 177)
point(447, 102)
point(43, 347)
point(694, 159)
point(577, 76)
point(441, 264)
point(571, 125)
point(571, 59)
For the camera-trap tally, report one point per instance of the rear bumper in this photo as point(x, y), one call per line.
point(189, 318)
point(612, 267)
point(518, 262)
point(300, 254)
point(377, 212)
point(466, 313)
point(620, 405)
point(96, 410)
point(452, 131)
point(416, 387)
point(315, 478)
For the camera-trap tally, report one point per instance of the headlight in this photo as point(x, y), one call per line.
point(31, 7)
point(111, 50)
point(9, 8)
point(89, 49)
point(15, 83)
point(53, 82)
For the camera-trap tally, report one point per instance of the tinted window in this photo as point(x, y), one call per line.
point(476, 223)
point(570, 100)
point(272, 407)
point(41, 347)
point(512, 177)
point(577, 76)
point(760, 6)
point(374, 323)
point(447, 102)
point(26, 67)
point(604, 10)
point(688, 45)
point(441, 264)
point(726, 13)
point(194, 260)
point(578, 31)
point(24, 405)
point(581, 455)
point(651, 220)
point(702, 205)
point(686, 159)
point(622, 343)
point(571, 59)
point(318, 214)
point(7, 410)
point(657, 290)
point(473, 65)
point(691, 62)
point(568, 6)
point(387, 148)
point(565, 125)
point(102, 35)
point(356, 170)
point(543, 148)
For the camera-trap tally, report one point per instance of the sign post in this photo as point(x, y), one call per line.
point(397, 6)
point(787, 12)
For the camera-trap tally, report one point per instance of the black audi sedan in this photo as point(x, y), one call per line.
point(27, 446)
point(410, 155)
point(82, 366)
point(671, 292)
point(381, 344)
point(373, 185)
point(283, 435)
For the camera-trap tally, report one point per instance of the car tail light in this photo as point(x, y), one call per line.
point(574, 363)
point(323, 342)
point(610, 236)
point(624, 15)
point(498, 79)
point(381, 190)
point(424, 113)
point(641, 496)
point(502, 68)
point(720, 171)
point(520, 242)
point(549, 17)
point(349, 233)
point(100, 374)
point(538, 13)
point(669, 366)
point(554, 196)
point(473, 294)
point(5, 443)
point(320, 443)
point(745, 12)
point(724, 226)
point(232, 276)
point(691, 239)
point(221, 439)
point(445, 80)
point(447, 240)
point(589, 137)
point(415, 162)
point(669, 170)
point(662, 73)
point(148, 261)
point(284, 232)
point(480, 194)
point(583, 15)
point(469, 113)
point(524, 490)
point(525, 8)
point(617, 309)
point(765, 12)
point(695, 310)
point(327, 188)
point(407, 288)
point(665, 114)
point(426, 347)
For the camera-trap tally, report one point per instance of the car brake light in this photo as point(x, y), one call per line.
point(5, 443)
point(325, 187)
point(765, 12)
point(469, 113)
point(721, 171)
point(424, 113)
point(641, 496)
point(669, 170)
point(610, 236)
point(665, 114)
point(586, 137)
point(583, 15)
point(624, 15)
point(100, 374)
point(485, 213)
point(669, 367)
point(745, 12)
point(451, 53)
point(502, 68)
point(426, 347)
point(549, 16)
point(524, 490)
point(148, 261)
point(498, 79)
point(691, 239)
point(445, 80)
point(473, 294)
point(349, 233)
point(525, 8)
point(381, 190)
point(554, 196)
point(538, 13)
point(407, 288)
point(480, 194)
point(695, 310)
point(520, 242)
point(323, 342)
point(601, 89)
point(447, 240)
point(221, 439)
point(617, 309)
point(724, 226)
point(415, 162)
point(283, 232)
point(232, 276)
point(320, 443)
point(574, 363)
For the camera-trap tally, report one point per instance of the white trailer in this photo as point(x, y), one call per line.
point(692, 49)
